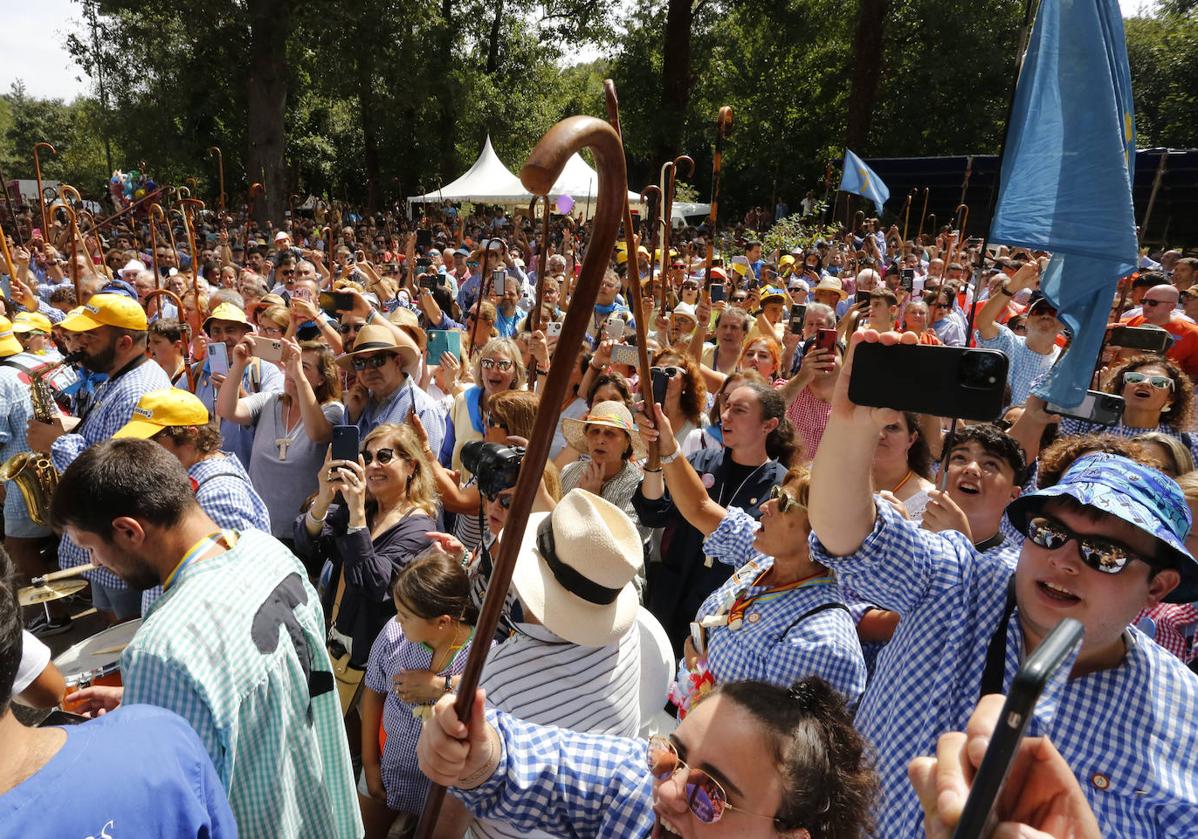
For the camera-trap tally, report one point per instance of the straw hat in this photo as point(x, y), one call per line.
point(685, 310)
point(379, 338)
point(610, 414)
point(576, 567)
point(830, 283)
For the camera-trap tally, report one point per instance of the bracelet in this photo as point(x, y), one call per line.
point(321, 519)
point(666, 460)
point(484, 771)
point(449, 684)
point(652, 471)
point(1002, 289)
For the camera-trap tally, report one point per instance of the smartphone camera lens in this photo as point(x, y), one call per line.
point(981, 370)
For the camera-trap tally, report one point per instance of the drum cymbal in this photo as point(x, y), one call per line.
point(54, 590)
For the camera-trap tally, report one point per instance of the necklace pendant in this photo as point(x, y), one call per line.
point(283, 443)
point(708, 561)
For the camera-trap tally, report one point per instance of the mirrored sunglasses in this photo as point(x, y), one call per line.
point(1159, 382)
point(1100, 554)
point(502, 364)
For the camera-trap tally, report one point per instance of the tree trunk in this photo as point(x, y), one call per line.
point(867, 70)
point(493, 43)
point(675, 78)
point(266, 83)
point(370, 128)
point(445, 121)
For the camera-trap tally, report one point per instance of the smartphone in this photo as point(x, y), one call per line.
point(907, 279)
point(553, 329)
point(345, 443)
point(429, 281)
point(625, 354)
point(614, 328)
point(498, 278)
point(1147, 338)
point(443, 341)
point(424, 239)
point(797, 315)
point(825, 339)
point(941, 381)
point(1096, 406)
point(218, 359)
point(660, 382)
point(336, 301)
point(423, 262)
point(268, 349)
point(1055, 651)
point(717, 292)
point(862, 297)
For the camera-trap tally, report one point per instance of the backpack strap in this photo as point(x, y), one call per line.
point(823, 607)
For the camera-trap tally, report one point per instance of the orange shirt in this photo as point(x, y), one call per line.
point(1185, 349)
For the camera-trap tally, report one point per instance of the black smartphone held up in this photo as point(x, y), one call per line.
point(717, 292)
point(336, 301)
point(862, 297)
point(940, 381)
point(660, 382)
point(429, 281)
point(346, 444)
point(1096, 406)
point(424, 239)
point(1146, 338)
point(977, 818)
point(907, 279)
point(798, 314)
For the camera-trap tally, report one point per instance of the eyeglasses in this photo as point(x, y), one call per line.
point(786, 501)
point(705, 796)
point(268, 330)
point(1158, 382)
point(505, 501)
point(290, 272)
point(383, 456)
point(376, 362)
point(1101, 555)
point(492, 363)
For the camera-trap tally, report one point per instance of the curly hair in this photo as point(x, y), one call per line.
point(829, 782)
point(694, 391)
point(1177, 416)
point(1057, 458)
point(994, 441)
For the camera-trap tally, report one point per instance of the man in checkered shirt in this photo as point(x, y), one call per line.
point(1102, 544)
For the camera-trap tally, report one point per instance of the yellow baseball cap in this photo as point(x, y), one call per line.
point(226, 311)
point(31, 322)
point(9, 345)
point(621, 257)
point(159, 409)
point(786, 260)
point(107, 310)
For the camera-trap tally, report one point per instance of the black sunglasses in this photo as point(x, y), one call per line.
point(347, 328)
point(1100, 554)
point(383, 456)
point(375, 362)
point(505, 501)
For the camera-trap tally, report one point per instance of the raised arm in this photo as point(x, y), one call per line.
point(686, 489)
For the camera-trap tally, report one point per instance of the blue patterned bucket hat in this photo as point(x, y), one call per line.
point(1140, 495)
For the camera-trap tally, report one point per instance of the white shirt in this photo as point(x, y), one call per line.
point(34, 657)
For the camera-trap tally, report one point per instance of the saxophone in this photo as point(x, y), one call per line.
point(33, 472)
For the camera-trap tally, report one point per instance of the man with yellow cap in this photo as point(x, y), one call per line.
point(110, 334)
point(178, 421)
point(33, 329)
point(228, 325)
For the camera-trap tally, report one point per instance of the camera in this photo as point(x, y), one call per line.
point(495, 466)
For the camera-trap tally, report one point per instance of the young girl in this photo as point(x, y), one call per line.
point(416, 659)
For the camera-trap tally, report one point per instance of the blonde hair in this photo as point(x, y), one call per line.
point(278, 315)
point(509, 348)
point(422, 489)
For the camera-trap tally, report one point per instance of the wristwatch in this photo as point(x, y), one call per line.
point(449, 684)
point(1002, 289)
point(666, 460)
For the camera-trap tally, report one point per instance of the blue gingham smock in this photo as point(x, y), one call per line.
point(774, 642)
point(1128, 733)
point(565, 783)
point(391, 654)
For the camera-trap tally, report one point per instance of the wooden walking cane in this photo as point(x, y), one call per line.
point(542, 168)
point(923, 214)
point(651, 198)
point(41, 198)
point(187, 204)
point(220, 164)
point(634, 292)
point(723, 122)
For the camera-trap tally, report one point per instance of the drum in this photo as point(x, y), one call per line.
point(96, 660)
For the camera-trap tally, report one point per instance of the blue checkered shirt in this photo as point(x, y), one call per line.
point(1072, 427)
point(16, 407)
point(1128, 733)
point(565, 783)
point(1026, 365)
point(112, 408)
point(396, 407)
point(774, 642)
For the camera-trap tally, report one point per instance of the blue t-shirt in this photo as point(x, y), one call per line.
point(139, 771)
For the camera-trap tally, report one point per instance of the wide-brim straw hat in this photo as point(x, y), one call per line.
point(378, 338)
point(830, 284)
point(611, 414)
point(576, 567)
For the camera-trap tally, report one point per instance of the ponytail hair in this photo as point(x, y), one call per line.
point(780, 444)
point(435, 584)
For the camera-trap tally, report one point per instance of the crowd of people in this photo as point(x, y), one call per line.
point(291, 456)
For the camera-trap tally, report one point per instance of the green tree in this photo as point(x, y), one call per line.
point(1163, 54)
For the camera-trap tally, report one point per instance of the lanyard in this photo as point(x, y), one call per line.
point(742, 604)
point(200, 547)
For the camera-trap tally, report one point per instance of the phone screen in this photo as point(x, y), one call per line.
point(218, 359)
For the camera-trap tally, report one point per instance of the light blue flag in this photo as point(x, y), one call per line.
point(859, 179)
point(1067, 173)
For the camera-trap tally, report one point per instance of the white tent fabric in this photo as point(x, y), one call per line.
point(487, 181)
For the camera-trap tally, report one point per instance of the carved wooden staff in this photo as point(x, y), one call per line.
point(41, 199)
point(669, 177)
point(220, 165)
point(187, 204)
point(634, 287)
point(723, 123)
point(923, 214)
point(651, 198)
point(540, 171)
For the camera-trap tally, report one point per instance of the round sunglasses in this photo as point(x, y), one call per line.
point(1100, 554)
point(505, 501)
point(705, 796)
point(383, 456)
point(786, 501)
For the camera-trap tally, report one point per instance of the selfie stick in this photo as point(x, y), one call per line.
point(538, 175)
point(634, 292)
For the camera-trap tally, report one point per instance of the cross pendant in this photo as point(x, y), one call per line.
point(282, 443)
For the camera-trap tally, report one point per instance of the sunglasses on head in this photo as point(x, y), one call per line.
point(502, 364)
point(1100, 554)
point(786, 501)
point(505, 501)
point(705, 796)
point(383, 456)
point(1131, 377)
point(376, 362)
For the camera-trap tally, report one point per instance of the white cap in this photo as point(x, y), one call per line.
point(800, 285)
point(133, 266)
point(282, 235)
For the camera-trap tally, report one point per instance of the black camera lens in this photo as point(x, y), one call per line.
point(982, 369)
point(495, 467)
